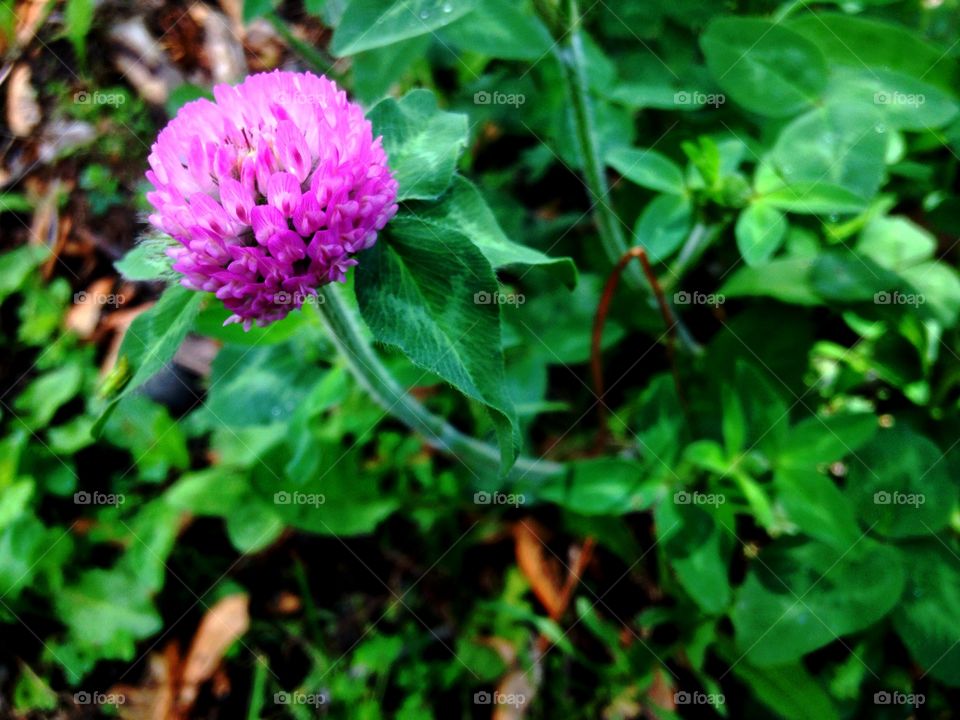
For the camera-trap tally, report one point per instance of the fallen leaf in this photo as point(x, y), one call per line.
point(222, 625)
point(23, 112)
point(539, 567)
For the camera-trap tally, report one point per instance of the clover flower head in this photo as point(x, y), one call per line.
point(270, 190)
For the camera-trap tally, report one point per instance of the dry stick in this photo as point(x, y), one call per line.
point(596, 359)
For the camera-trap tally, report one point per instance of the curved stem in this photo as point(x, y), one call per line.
point(347, 335)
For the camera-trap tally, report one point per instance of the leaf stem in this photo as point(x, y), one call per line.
point(346, 332)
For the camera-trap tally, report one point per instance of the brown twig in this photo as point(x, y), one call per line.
point(596, 359)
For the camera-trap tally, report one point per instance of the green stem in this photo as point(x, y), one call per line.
point(347, 335)
point(574, 65)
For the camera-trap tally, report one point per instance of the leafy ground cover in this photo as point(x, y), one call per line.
point(514, 467)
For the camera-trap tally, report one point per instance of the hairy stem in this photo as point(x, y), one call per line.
point(345, 331)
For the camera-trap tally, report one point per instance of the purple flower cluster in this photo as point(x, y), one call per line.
point(270, 190)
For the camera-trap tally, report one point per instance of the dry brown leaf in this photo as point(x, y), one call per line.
point(222, 46)
point(143, 62)
point(23, 112)
point(661, 692)
point(514, 696)
point(222, 625)
point(153, 699)
point(84, 315)
point(30, 15)
point(539, 567)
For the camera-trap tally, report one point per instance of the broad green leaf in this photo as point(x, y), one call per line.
point(842, 145)
point(817, 440)
point(500, 29)
point(435, 297)
point(368, 24)
point(374, 71)
point(603, 486)
point(648, 168)
point(156, 442)
point(805, 596)
point(151, 342)
point(698, 551)
point(253, 9)
point(43, 397)
point(17, 266)
point(760, 231)
point(763, 66)
point(929, 615)
point(664, 225)
point(814, 503)
point(846, 276)
point(463, 210)
point(901, 485)
point(813, 198)
point(936, 288)
point(859, 42)
point(789, 690)
point(422, 142)
point(896, 243)
point(785, 279)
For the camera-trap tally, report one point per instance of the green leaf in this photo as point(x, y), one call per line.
point(422, 142)
point(845, 276)
point(368, 24)
point(760, 231)
point(814, 503)
point(789, 690)
point(664, 225)
point(813, 198)
point(648, 168)
point(374, 71)
point(500, 29)
point(151, 342)
point(901, 485)
point(841, 145)
point(804, 596)
point(432, 296)
point(18, 265)
point(928, 618)
point(44, 396)
point(817, 440)
point(862, 42)
point(896, 243)
point(146, 261)
point(785, 279)
point(253, 9)
point(602, 486)
point(463, 210)
point(763, 66)
point(77, 20)
point(698, 551)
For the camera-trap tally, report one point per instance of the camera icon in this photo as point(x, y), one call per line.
point(282, 298)
point(482, 298)
point(82, 498)
point(82, 698)
point(481, 97)
point(882, 698)
point(681, 497)
point(481, 498)
point(681, 698)
point(681, 298)
point(681, 98)
point(882, 298)
point(881, 497)
point(882, 98)
point(482, 697)
point(82, 97)
point(281, 698)
point(282, 498)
